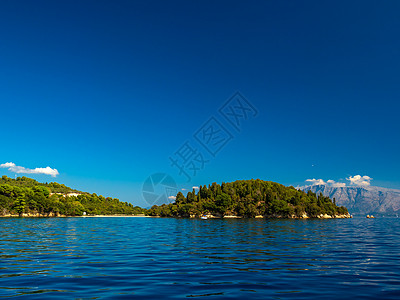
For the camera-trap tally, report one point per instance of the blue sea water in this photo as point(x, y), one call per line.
point(128, 258)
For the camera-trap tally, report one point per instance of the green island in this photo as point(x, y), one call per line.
point(250, 199)
point(24, 196)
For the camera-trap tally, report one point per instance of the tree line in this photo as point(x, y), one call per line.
point(249, 198)
point(244, 198)
point(27, 196)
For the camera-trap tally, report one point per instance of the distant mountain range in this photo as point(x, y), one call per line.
point(362, 200)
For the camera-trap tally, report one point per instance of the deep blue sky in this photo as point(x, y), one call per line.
point(107, 91)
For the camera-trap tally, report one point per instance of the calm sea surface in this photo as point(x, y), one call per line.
point(125, 258)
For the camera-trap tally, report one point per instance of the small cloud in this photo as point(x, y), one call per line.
point(172, 197)
point(195, 187)
point(22, 170)
point(333, 183)
point(330, 182)
point(316, 181)
point(357, 180)
point(183, 189)
point(7, 165)
point(360, 180)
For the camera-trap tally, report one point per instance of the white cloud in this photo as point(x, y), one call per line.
point(354, 180)
point(329, 182)
point(172, 197)
point(360, 180)
point(333, 183)
point(18, 169)
point(316, 181)
point(7, 165)
point(195, 187)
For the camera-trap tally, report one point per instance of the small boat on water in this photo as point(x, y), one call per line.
point(203, 217)
point(370, 217)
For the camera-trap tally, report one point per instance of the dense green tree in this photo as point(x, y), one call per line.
point(249, 198)
point(19, 204)
point(27, 195)
point(180, 198)
point(223, 202)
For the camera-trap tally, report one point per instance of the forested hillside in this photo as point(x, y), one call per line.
point(249, 198)
point(26, 196)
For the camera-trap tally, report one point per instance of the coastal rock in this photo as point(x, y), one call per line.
point(348, 216)
point(304, 216)
point(324, 216)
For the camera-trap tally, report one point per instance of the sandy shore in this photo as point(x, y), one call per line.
point(115, 216)
point(62, 216)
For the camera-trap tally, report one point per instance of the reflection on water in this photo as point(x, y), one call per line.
point(169, 258)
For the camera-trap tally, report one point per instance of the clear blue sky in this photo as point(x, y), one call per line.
point(107, 91)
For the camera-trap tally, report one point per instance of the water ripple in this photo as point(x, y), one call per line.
point(125, 258)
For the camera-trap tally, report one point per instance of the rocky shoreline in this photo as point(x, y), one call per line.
point(209, 216)
point(304, 216)
point(34, 215)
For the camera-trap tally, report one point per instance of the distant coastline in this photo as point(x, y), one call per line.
point(345, 216)
point(64, 216)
